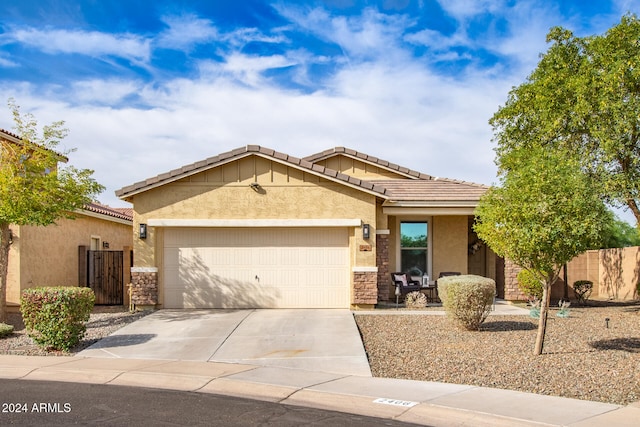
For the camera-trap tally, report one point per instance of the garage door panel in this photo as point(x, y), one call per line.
point(200, 290)
point(334, 256)
point(279, 268)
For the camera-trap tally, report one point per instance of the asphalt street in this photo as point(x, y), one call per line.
point(31, 403)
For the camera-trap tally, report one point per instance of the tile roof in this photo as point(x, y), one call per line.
point(432, 190)
point(421, 188)
point(366, 158)
point(11, 134)
point(13, 138)
point(120, 213)
point(238, 153)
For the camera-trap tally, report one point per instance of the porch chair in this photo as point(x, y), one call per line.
point(404, 282)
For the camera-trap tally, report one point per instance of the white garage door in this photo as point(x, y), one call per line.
point(256, 268)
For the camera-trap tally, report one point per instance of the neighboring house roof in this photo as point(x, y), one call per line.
point(15, 139)
point(11, 134)
point(332, 152)
point(119, 213)
point(239, 153)
point(418, 188)
point(125, 211)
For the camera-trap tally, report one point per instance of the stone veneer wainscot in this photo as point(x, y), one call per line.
point(144, 281)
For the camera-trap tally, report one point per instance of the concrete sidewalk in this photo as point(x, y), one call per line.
point(425, 403)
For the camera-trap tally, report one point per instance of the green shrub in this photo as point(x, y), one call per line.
point(5, 330)
point(54, 317)
point(530, 285)
point(467, 299)
point(582, 289)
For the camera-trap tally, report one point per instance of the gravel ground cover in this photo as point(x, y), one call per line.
point(581, 359)
point(102, 322)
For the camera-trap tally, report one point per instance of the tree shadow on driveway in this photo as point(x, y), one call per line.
point(124, 340)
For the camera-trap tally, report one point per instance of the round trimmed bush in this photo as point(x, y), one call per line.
point(467, 299)
point(54, 317)
point(530, 285)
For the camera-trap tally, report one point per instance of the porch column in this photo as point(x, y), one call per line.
point(382, 261)
point(511, 290)
point(365, 290)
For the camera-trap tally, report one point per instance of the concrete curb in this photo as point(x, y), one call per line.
point(419, 402)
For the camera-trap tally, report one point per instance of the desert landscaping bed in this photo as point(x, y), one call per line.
point(582, 357)
point(102, 322)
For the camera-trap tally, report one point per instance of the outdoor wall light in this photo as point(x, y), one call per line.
point(255, 187)
point(105, 245)
point(366, 231)
point(143, 231)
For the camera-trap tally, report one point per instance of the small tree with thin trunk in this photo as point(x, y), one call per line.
point(33, 189)
point(545, 213)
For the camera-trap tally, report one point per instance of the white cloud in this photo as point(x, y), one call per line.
point(242, 36)
point(185, 31)
point(7, 63)
point(383, 101)
point(245, 69)
point(105, 92)
point(372, 35)
point(436, 40)
point(462, 9)
point(403, 114)
point(90, 43)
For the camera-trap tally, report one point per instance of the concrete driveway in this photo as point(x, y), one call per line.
point(321, 340)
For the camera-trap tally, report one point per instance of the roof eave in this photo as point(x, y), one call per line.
point(424, 208)
point(300, 164)
point(173, 176)
point(430, 203)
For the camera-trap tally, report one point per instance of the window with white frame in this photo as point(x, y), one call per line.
point(95, 243)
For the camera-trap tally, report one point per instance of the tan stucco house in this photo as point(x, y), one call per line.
point(254, 227)
point(49, 256)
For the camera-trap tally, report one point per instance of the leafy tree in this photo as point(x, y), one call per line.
point(33, 189)
point(620, 234)
point(584, 98)
point(545, 213)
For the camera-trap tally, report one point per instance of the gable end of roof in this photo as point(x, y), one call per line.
point(236, 154)
point(409, 173)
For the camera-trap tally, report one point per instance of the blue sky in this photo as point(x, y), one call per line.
point(148, 86)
